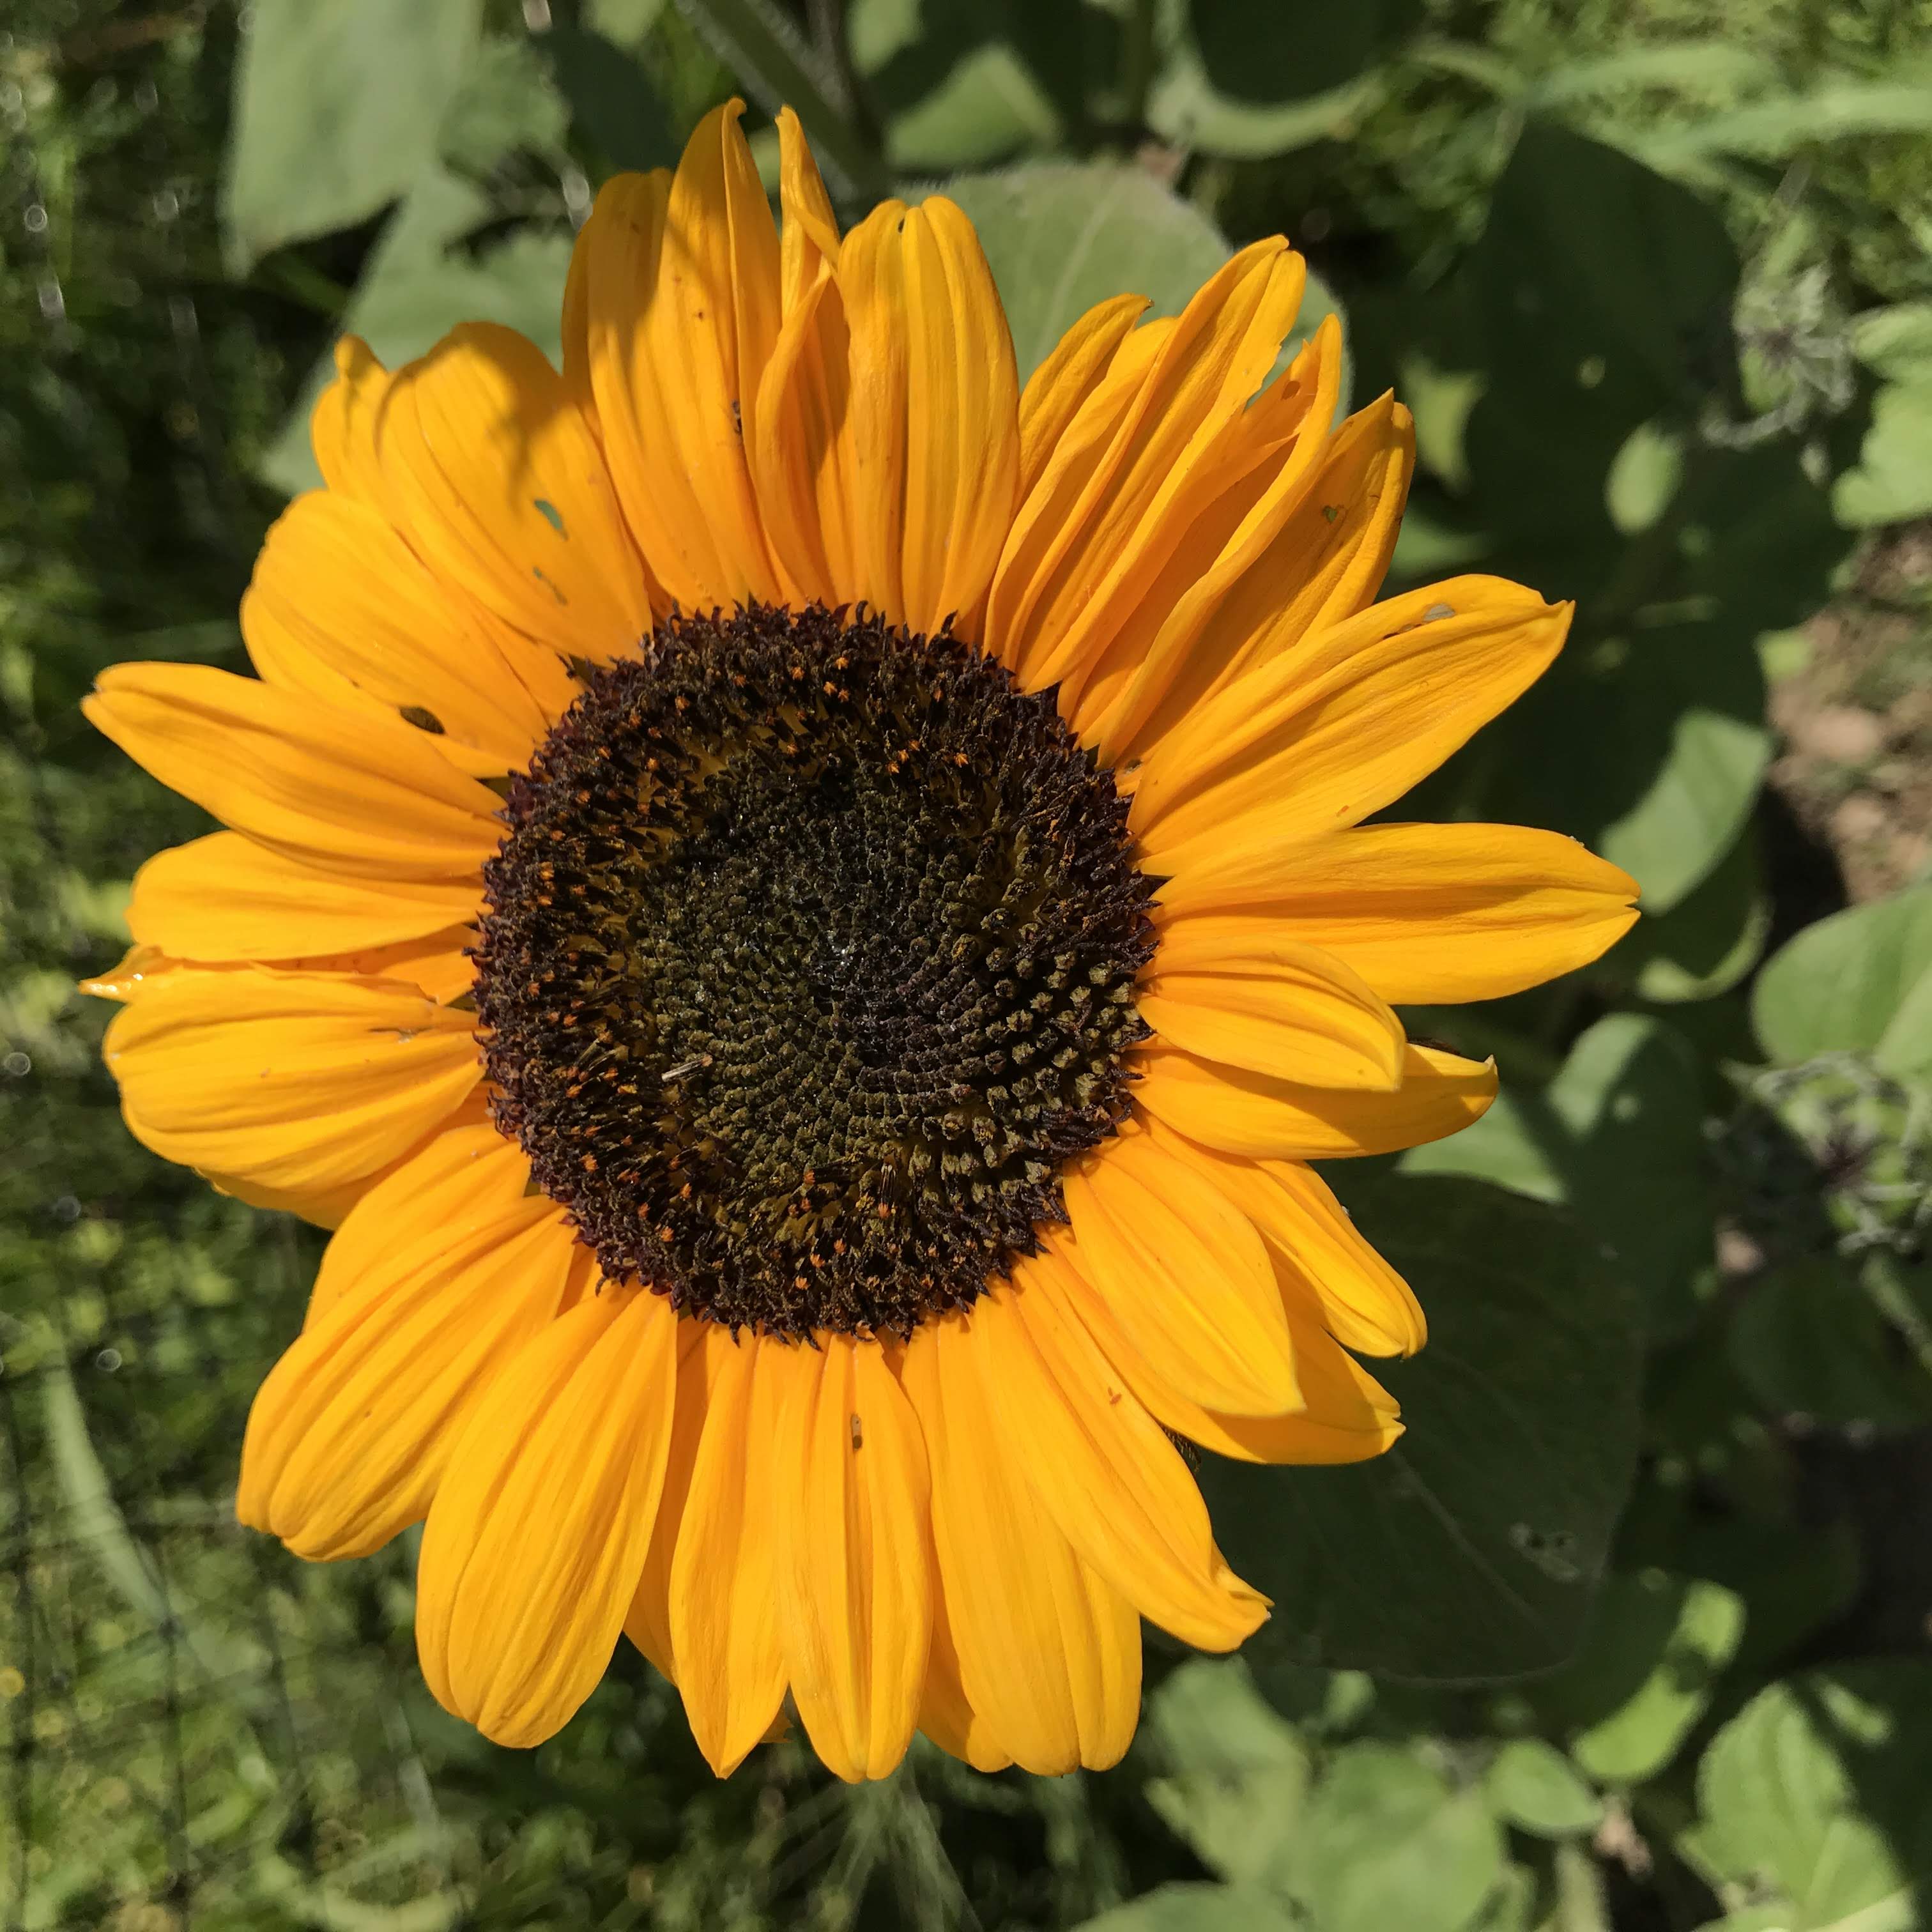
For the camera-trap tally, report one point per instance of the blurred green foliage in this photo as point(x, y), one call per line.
point(1631, 1630)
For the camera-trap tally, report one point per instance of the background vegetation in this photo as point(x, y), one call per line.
point(1632, 1630)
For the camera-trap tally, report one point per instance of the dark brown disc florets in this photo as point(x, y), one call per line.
point(809, 959)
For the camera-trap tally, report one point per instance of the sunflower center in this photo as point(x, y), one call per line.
point(809, 960)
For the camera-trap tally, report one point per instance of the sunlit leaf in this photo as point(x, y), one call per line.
point(1389, 1841)
point(336, 112)
point(1199, 1908)
point(1815, 1793)
point(1646, 1672)
point(1531, 1785)
point(1842, 983)
point(1236, 1776)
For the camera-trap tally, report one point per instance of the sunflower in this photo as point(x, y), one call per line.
point(802, 910)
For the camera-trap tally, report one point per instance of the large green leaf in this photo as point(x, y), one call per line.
point(1646, 1674)
point(1390, 1842)
point(1841, 985)
point(1816, 1792)
point(1471, 1550)
point(1237, 1775)
point(336, 107)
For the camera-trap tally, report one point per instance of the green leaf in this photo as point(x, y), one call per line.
point(1265, 52)
point(1815, 1791)
point(612, 100)
point(419, 285)
point(1237, 1775)
point(758, 42)
point(1616, 1135)
point(1893, 480)
point(506, 101)
point(1647, 739)
point(1496, 1507)
point(1810, 1340)
point(1905, 1048)
point(1062, 235)
point(1390, 1842)
point(1532, 1785)
point(1706, 943)
point(1896, 343)
point(1840, 985)
point(1588, 252)
point(626, 22)
point(337, 108)
point(1248, 78)
point(1646, 1673)
point(1198, 1908)
point(952, 80)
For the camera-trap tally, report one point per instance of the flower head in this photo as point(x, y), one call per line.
point(802, 909)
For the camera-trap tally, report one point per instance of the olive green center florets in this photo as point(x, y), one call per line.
point(810, 959)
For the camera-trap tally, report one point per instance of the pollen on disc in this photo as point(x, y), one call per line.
point(809, 961)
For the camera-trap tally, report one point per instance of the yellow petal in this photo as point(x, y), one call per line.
point(490, 471)
point(291, 1081)
point(935, 410)
point(1364, 1302)
point(945, 1714)
point(725, 1640)
point(1236, 1111)
point(443, 1191)
point(1243, 992)
point(701, 1353)
point(224, 897)
point(341, 610)
point(1350, 1417)
point(1152, 444)
point(1324, 734)
point(1103, 1467)
point(802, 455)
point(670, 318)
point(534, 1544)
point(335, 788)
point(1427, 913)
point(809, 237)
point(855, 1575)
point(1276, 450)
point(350, 1434)
point(1313, 553)
point(342, 427)
point(1055, 390)
point(1048, 1651)
point(1185, 1273)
